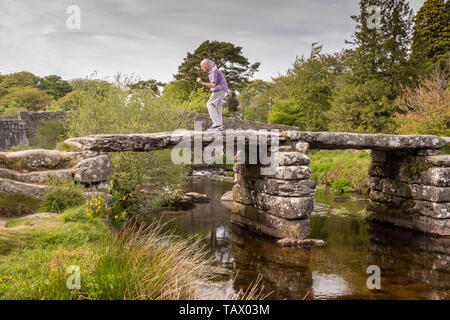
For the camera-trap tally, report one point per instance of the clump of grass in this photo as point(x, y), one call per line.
point(16, 222)
point(19, 147)
point(341, 186)
point(291, 231)
point(145, 263)
point(17, 204)
point(18, 164)
point(62, 146)
point(63, 194)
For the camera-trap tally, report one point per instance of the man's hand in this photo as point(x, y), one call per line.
point(199, 80)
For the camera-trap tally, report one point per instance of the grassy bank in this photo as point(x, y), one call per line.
point(328, 166)
point(35, 256)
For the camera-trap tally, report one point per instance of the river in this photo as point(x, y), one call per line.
point(412, 265)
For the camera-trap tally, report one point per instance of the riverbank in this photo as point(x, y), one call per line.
point(351, 165)
point(41, 258)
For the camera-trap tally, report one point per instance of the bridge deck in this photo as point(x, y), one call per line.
point(317, 140)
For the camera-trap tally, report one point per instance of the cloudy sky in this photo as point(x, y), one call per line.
point(150, 38)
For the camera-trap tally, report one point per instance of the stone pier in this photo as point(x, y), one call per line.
point(411, 189)
point(279, 204)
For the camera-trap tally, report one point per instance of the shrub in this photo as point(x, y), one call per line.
point(118, 109)
point(77, 214)
point(425, 109)
point(49, 133)
point(63, 195)
point(341, 186)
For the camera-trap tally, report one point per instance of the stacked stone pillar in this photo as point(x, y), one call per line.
point(411, 189)
point(279, 204)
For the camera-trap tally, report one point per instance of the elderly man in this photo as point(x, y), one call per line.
point(218, 86)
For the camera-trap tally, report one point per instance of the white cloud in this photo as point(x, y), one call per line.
point(151, 38)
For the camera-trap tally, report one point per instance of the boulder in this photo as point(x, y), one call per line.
point(35, 159)
point(94, 169)
point(39, 177)
point(31, 190)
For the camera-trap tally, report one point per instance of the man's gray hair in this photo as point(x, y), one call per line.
point(206, 61)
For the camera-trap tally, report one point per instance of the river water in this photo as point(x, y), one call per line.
point(412, 265)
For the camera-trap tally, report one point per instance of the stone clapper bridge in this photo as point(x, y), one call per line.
point(409, 183)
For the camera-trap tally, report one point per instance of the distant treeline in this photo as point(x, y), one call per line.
point(393, 78)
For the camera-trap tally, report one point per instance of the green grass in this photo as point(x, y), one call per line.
point(135, 263)
point(329, 165)
point(17, 204)
point(17, 222)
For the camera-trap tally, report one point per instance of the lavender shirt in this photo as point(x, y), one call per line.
point(215, 75)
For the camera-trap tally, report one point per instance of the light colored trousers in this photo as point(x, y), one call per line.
point(215, 106)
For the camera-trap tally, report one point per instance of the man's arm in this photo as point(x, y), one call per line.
point(209, 85)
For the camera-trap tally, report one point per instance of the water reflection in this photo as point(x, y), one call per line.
point(413, 265)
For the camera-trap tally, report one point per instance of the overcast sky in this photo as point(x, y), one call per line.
point(150, 38)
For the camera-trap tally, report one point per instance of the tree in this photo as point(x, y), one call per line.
point(247, 96)
point(18, 79)
point(225, 56)
point(431, 42)
point(148, 85)
point(375, 68)
point(308, 96)
point(54, 86)
point(426, 108)
point(31, 99)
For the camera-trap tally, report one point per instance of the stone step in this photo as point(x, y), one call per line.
point(38, 159)
point(30, 189)
point(39, 177)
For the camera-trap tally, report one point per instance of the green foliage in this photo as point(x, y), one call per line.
point(62, 195)
point(136, 263)
point(17, 204)
point(77, 214)
point(19, 147)
point(70, 101)
point(49, 133)
point(116, 109)
point(308, 91)
point(341, 186)
point(54, 86)
point(251, 101)
point(329, 165)
point(431, 43)
point(28, 98)
point(425, 109)
point(62, 146)
point(16, 222)
point(364, 97)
